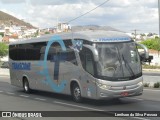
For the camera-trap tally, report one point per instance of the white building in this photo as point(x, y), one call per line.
point(63, 27)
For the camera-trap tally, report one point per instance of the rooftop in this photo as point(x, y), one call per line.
point(90, 35)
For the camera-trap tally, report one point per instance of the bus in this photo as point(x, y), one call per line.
point(92, 64)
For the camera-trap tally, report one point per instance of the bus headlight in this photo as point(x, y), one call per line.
point(103, 86)
point(140, 83)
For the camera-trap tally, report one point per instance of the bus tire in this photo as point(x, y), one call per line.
point(76, 93)
point(26, 86)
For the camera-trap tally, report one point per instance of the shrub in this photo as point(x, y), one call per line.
point(152, 44)
point(146, 84)
point(145, 66)
point(149, 43)
point(156, 85)
point(47, 32)
point(2, 34)
point(3, 49)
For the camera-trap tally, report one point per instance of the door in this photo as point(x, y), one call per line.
point(88, 73)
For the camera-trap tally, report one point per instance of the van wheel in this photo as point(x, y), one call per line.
point(26, 86)
point(76, 93)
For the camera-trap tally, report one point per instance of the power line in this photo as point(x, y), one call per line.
point(88, 11)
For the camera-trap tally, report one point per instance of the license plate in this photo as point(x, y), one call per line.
point(124, 94)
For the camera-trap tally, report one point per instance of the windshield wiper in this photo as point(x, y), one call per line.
point(129, 67)
point(120, 61)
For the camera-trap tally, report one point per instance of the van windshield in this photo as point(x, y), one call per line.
point(118, 61)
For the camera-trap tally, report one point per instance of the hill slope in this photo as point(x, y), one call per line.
point(11, 20)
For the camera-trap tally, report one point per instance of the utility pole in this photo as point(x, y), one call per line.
point(159, 15)
point(135, 34)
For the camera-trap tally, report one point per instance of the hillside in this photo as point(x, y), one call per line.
point(11, 20)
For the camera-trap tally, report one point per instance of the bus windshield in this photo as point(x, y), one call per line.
point(118, 61)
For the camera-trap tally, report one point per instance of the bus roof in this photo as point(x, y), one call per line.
point(106, 36)
point(90, 35)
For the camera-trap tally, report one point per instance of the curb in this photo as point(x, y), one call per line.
point(151, 70)
point(151, 88)
point(4, 75)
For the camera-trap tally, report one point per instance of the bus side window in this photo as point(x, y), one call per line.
point(89, 63)
point(87, 60)
point(72, 58)
point(82, 57)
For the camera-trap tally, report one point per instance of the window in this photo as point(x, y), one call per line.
point(87, 60)
point(57, 54)
point(13, 52)
point(28, 51)
point(33, 50)
point(82, 57)
point(87, 42)
point(54, 52)
point(70, 57)
point(68, 43)
point(89, 63)
point(36, 51)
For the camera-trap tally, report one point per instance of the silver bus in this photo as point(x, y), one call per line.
point(88, 64)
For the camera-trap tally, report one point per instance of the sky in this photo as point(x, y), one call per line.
point(126, 15)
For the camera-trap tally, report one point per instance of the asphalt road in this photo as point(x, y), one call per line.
point(151, 73)
point(13, 99)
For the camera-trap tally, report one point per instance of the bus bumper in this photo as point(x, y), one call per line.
point(120, 91)
point(119, 94)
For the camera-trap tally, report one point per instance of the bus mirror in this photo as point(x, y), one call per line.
point(94, 51)
point(143, 52)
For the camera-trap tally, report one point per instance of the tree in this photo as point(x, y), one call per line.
point(152, 44)
point(47, 32)
point(142, 34)
point(3, 50)
point(148, 43)
point(2, 34)
point(150, 34)
point(156, 45)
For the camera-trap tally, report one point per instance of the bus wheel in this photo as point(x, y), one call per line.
point(26, 86)
point(76, 93)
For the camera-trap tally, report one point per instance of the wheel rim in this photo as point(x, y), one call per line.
point(26, 86)
point(77, 93)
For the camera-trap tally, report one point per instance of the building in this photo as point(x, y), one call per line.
point(63, 27)
point(5, 39)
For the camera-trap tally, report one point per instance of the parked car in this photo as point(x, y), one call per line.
point(5, 65)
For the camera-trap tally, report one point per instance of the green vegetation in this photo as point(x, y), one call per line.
point(156, 85)
point(3, 49)
point(148, 43)
point(36, 34)
point(2, 34)
point(150, 67)
point(152, 44)
point(156, 45)
point(47, 32)
point(146, 84)
point(1, 63)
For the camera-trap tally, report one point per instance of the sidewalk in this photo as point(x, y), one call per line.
point(4, 72)
point(151, 70)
